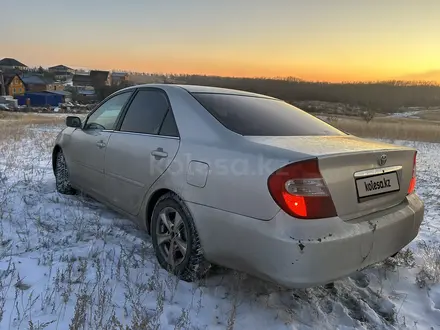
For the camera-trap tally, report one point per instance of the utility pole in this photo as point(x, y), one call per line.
point(2, 84)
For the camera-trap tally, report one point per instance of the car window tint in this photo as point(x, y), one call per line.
point(259, 116)
point(106, 115)
point(169, 127)
point(146, 112)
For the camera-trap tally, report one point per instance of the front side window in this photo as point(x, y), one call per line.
point(146, 113)
point(105, 117)
point(258, 116)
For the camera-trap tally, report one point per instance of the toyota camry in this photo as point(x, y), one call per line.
point(242, 180)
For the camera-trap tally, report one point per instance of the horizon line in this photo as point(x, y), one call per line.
point(284, 78)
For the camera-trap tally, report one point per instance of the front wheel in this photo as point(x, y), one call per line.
point(62, 175)
point(175, 239)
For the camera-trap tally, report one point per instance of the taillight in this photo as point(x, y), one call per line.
point(300, 190)
point(412, 183)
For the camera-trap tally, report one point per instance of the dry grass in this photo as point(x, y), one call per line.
point(13, 125)
point(390, 128)
point(429, 273)
point(31, 118)
point(429, 115)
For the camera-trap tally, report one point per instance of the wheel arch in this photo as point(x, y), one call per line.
point(152, 201)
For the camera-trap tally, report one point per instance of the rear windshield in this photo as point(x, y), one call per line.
point(257, 116)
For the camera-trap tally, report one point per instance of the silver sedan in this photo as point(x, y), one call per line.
point(242, 180)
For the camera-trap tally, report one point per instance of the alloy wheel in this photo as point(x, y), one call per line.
point(172, 236)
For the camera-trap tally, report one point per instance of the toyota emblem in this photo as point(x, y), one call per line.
point(382, 160)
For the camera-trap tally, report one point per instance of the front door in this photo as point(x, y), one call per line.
point(88, 145)
point(141, 149)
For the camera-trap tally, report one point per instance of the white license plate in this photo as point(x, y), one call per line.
point(378, 184)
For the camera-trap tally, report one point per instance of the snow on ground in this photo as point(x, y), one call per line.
point(406, 114)
point(67, 262)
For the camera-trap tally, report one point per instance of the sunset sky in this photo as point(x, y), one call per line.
point(329, 40)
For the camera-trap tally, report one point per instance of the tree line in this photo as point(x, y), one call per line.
point(383, 96)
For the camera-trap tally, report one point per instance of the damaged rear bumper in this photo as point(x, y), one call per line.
point(305, 253)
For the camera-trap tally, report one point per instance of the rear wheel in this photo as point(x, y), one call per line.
point(175, 239)
point(62, 175)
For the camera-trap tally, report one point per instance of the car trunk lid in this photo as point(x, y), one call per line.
point(363, 176)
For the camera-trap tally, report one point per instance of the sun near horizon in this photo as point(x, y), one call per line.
point(333, 41)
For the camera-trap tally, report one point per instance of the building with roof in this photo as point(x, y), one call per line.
point(61, 72)
point(85, 96)
point(95, 78)
point(61, 68)
point(39, 83)
point(10, 64)
point(86, 92)
point(81, 80)
point(100, 78)
point(65, 95)
point(41, 99)
point(118, 78)
point(13, 84)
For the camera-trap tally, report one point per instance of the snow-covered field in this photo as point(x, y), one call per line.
point(70, 263)
point(407, 114)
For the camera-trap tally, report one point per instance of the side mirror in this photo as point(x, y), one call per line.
point(72, 121)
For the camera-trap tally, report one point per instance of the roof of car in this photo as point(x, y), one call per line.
point(206, 89)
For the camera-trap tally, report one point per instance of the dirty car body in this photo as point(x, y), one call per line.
point(272, 190)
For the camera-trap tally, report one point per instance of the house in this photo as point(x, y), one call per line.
point(81, 80)
point(13, 84)
point(85, 96)
point(118, 77)
point(34, 83)
point(65, 95)
point(61, 68)
point(100, 78)
point(86, 92)
point(95, 78)
point(39, 83)
point(61, 72)
point(11, 64)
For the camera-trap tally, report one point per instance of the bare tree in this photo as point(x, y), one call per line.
point(368, 115)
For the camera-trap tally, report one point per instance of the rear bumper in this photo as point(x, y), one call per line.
point(301, 253)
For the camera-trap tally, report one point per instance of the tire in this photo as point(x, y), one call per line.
point(190, 266)
point(62, 175)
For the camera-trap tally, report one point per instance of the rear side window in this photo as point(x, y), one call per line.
point(146, 112)
point(169, 127)
point(255, 116)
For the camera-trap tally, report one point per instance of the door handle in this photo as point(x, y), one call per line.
point(159, 153)
point(100, 144)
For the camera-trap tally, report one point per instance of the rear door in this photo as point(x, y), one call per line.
point(87, 146)
point(140, 149)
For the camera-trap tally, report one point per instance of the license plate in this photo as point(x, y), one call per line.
point(378, 184)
